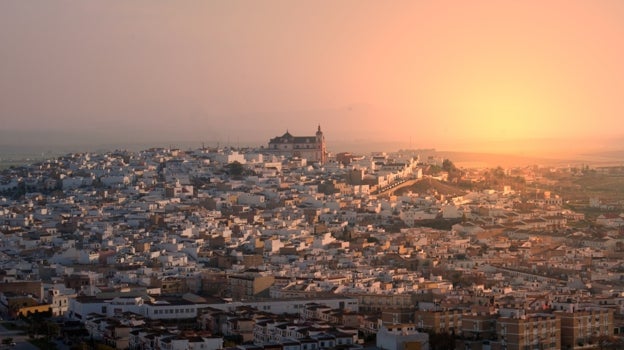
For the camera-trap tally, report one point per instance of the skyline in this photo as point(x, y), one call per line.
point(484, 76)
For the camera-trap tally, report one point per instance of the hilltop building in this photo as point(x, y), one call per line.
point(311, 148)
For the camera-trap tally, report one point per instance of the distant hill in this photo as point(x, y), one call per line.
point(492, 160)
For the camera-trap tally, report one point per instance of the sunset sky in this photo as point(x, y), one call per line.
point(455, 75)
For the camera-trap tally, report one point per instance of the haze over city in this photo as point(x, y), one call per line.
point(528, 77)
point(312, 175)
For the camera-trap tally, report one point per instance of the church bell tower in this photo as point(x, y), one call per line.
point(320, 144)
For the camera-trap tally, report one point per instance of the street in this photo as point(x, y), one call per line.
point(19, 337)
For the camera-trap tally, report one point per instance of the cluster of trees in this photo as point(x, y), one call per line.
point(236, 169)
point(497, 177)
point(454, 173)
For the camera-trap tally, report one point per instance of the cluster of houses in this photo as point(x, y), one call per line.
point(214, 248)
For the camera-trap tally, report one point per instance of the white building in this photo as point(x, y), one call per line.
point(58, 297)
point(155, 309)
point(399, 336)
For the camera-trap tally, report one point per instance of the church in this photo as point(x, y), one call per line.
point(311, 148)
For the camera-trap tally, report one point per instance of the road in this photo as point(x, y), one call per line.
point(20, 339)
point(390, 189)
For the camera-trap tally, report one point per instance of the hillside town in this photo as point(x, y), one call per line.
point(289, 247)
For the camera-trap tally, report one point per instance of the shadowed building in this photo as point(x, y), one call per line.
point(250, 285)
point(538, 331)
point(583, 328)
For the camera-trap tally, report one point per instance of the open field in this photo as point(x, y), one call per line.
point(610, 185)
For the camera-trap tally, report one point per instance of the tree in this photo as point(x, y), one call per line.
point(235, 168)
point(454, 174)
point(456, 278)
point(371, 239)
point(441, 341)
point(448, 166)
point(499, 172)
point(80, 346)
point(52, 329)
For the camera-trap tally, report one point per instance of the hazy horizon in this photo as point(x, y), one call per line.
point(39, 145)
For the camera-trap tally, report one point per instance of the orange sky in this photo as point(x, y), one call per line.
point(477, 75)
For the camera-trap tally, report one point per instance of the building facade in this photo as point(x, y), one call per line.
point(539, 331)
point(447, 321)
point(311, 148)
point(583, 328)
point(401, 337)
point(248, 286)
